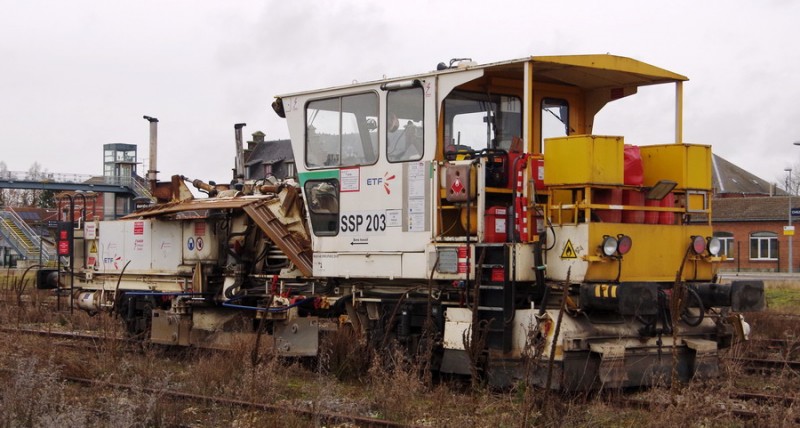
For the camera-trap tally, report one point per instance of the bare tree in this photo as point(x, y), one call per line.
point(25, 197)
point(30, 197)
point(4, 193)
point(790, 179)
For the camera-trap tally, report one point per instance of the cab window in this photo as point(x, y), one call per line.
point(404, 124)
point(323, 205)
point(555, 118)
point(342, 131)
point(475, 121)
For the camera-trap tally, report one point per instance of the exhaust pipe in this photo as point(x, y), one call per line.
point(152, 173)
point(238, 172)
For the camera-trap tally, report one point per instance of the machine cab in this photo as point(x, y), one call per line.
point(404, 178)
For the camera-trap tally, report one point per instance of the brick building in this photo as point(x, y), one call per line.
point(749, 216)
point(752, 231)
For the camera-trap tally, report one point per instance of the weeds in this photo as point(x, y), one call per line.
point(346, 378)
point(35, 396)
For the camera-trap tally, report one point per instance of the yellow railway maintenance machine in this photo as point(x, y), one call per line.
point(461, 208)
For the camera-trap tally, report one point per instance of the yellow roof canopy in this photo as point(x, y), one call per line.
point(600, 71)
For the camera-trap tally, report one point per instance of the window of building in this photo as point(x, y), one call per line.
point(323, 204)
point(342, 131)
point(763, 246)
point(404, 120)
point(726, 239)
point(267, 170)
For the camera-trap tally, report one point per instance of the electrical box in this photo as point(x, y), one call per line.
point(144, 246)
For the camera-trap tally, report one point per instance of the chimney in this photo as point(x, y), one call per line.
point(152, 173)
point(239, 171)
point(258, 137)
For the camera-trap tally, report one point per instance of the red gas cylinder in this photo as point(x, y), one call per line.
point(635, 198)
point(667, 217)
point(608, 197)
point(652, 217)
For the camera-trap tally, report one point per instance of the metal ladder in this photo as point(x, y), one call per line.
point(495, 299)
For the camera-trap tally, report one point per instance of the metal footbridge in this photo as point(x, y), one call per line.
point(73, 182)
point(27, 242)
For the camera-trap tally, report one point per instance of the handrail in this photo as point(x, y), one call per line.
point(141, 190)
point(26, 229)
point(11, 236)
point(30, 243)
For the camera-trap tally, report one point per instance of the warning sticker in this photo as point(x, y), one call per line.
point(457, 187)
point(569, 251)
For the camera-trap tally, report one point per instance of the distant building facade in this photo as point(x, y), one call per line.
point(264, 159)
point(749, 215)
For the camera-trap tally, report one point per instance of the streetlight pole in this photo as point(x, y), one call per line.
point(790, 232)
point(789, 190)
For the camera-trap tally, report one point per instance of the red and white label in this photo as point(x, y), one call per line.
point(457, 187)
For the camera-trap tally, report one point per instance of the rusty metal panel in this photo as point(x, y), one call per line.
point(297, 249)
point(195, 205)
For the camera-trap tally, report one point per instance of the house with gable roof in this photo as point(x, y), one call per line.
point(749, 215)
point(264, 159)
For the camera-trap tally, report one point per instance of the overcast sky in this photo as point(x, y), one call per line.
point(79, 74)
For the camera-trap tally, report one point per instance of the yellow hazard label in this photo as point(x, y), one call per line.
point(93, 247)
point(569, 251)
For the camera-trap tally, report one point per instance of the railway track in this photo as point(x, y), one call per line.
point(763, 398)
point(768, 364)
point(70, 335)
point(316, 415)
point(739, 413)
point(91, 340)
point(788, 349)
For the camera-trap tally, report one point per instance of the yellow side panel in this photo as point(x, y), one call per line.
point(583, 159)
point(697, 202)
point(689, 165)
point(656, 254)
point(562, 197)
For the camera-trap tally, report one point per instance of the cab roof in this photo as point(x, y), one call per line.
point(584, 71)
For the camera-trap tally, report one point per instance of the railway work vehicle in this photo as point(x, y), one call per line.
point(467, 214)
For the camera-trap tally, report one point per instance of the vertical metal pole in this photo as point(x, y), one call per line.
point(71, 252)
point(82, 225)
point(58, 260)
point(530, 112)
point(790, 232)
point(40, 244)
point(239, 173)
point(678, 112)
point(152, 172)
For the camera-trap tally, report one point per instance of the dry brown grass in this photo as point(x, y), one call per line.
point(345, 379)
